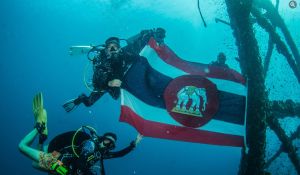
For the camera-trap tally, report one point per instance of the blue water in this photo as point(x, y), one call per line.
point(35, 36)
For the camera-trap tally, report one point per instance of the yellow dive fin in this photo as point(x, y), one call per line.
point(40, 114)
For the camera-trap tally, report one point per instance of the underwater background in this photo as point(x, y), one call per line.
point(35, 36)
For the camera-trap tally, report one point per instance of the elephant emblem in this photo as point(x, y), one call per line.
point(193, 94)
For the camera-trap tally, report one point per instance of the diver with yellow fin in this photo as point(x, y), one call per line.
point(73, 152)
point(110, 64)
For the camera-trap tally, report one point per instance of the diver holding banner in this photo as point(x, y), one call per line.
point(110, 64)
point(70, 153)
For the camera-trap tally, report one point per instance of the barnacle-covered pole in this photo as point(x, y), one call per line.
point(268, 55)
point(282, 148)
point(285, 108)
point(239, 14)
point(280, 45)
point(270, 48)
point(286, 142)
point(279, 109)
point(277, 20)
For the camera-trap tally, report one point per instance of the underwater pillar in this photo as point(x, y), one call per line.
point(253, 161)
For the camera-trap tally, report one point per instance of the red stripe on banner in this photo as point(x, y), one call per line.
point(168, 56)
point(161, 130)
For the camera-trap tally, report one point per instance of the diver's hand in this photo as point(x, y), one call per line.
point(138, 139)
point(159, 35)
point(115, 83)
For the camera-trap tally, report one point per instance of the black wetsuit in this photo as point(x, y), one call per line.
point(62, 144)
point(106, 70)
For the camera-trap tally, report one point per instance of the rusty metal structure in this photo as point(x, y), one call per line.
point(262, 112)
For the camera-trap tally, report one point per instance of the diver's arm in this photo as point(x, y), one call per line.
point(137, 42)
point(120, 153)
point(86, 100)
point(24, 146)
point(40, 116)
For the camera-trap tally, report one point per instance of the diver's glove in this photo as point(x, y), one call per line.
point(147, 33)
point(40, 127)
point(114, 92)
point(159, 34)
point(145, 36)
point(71, 104)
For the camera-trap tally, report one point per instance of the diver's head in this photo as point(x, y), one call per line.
point(221, 58)
point(112, 47)
point(108, 141)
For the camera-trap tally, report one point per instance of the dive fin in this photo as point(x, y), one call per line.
point(69, 105)
point(40, 114)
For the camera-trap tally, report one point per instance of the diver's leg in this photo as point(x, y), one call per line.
point(94, 96)
point(25, 148)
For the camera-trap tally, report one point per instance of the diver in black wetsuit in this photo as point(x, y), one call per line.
point(91, 149)
point(80, 156)
point(71, 153)
point(111, 64)
point(221, 61)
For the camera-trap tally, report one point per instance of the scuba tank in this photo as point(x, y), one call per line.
point(79, 50)
point(89, 51)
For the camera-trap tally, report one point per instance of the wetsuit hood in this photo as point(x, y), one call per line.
point(114, 40)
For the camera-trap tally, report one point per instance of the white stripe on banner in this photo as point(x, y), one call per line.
point(158, 64)
point(162, 116)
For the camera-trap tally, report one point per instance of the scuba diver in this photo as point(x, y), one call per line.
point(111, 63)
point(221, 61)
point(73, 152)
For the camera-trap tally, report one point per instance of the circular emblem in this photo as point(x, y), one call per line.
point(293, 4)
point(191, 100)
